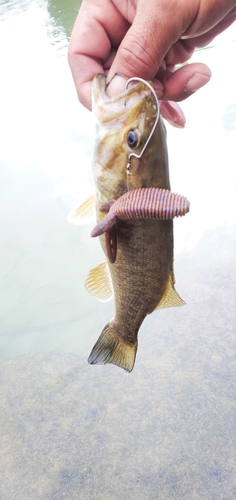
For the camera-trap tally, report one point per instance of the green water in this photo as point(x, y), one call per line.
point(74, 431)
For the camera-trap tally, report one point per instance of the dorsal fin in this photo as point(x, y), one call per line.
point(98, 282)
point(170, 297)
point(82, 213)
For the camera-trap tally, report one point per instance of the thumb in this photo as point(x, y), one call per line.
point(147, 41)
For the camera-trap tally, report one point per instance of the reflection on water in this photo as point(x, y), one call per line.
point(64, 14)
point(69, 430)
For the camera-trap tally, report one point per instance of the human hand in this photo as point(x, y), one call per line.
point(147, 39)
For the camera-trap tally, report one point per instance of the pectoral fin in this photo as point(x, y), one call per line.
point(98, 282)
point(170, 297)
point(81, 214)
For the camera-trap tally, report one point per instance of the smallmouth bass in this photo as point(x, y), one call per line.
point(135, 210)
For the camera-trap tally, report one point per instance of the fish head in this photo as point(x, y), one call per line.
point(124, 125)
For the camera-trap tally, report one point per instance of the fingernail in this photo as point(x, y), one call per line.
point(196, 81)
point(173, 113)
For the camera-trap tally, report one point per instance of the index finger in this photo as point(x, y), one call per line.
point(97, 29)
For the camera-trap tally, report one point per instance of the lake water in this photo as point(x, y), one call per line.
point(74, 431)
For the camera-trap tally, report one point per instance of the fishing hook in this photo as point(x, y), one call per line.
point(136, 79)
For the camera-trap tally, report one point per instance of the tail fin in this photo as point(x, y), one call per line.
point(112, 348)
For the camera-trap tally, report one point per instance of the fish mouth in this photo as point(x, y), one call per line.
point(106, 109)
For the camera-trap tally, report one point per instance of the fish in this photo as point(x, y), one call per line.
point(134, 209)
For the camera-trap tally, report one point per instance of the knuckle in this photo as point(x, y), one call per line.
point(137, 56)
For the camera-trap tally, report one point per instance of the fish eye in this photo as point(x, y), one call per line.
point(134, 139)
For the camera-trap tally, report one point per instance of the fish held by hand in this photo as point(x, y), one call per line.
point(135, 210)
